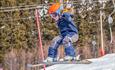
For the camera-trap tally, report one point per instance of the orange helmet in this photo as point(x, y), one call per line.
point(54, 8)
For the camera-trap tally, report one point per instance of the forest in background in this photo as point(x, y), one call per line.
point(18, 32)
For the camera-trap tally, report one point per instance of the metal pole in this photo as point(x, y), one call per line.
point(110, 33)
point(39, 35)
point(101, 25)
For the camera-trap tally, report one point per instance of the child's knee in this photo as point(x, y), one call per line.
point(56, 42)
point(66, 40)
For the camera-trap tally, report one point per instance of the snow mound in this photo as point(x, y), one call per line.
point(106, 62)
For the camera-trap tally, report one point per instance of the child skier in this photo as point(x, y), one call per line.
point(68, 34)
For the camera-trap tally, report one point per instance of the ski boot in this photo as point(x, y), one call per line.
point(70, 58)
point(50, 59)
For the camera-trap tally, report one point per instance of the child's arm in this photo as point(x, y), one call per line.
point(67, 16)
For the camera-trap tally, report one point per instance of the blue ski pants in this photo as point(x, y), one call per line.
point(66, 42)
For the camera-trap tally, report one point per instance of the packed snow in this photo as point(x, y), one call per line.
point(106, 62)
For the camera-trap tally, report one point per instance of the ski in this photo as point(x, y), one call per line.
point(67, 62)
point(61, 62)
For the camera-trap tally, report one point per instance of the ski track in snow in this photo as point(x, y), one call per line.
point(106, 62)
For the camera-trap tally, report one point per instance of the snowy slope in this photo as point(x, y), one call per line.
point(106, 62)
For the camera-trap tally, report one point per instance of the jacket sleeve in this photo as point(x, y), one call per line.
point(67, 16)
